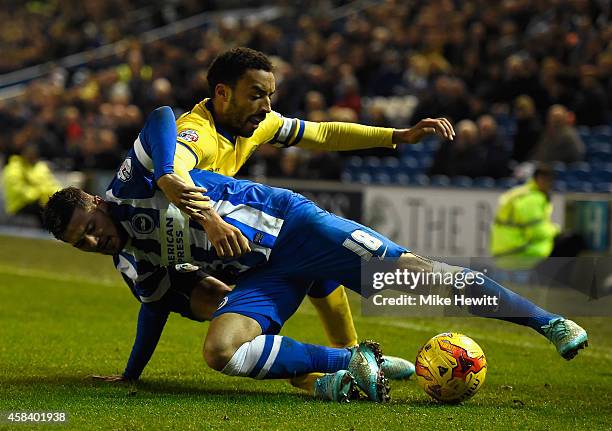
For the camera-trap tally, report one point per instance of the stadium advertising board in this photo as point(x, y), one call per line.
point(437, 222)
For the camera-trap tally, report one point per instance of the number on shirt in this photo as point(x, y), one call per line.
point(366, 240)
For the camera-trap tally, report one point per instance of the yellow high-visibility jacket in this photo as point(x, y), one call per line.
point(25, 183)
point(523, 233)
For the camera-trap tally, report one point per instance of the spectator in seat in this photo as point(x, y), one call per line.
point(496, 155)
point(560, 141)
point(528, 128)
point(463, 156)
point(590, 104)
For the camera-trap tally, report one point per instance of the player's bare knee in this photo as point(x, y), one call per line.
point(218, 354)
point(226, 334)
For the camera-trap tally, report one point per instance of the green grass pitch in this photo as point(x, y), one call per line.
point(65, 315)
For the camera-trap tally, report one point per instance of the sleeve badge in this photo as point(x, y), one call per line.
point(189, 135)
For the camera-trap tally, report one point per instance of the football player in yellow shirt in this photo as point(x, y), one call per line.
point(219, 134)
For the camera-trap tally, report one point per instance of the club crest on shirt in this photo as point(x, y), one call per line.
point(222, 303)
point(125, 170)
point(143, 224)
point(189, 135)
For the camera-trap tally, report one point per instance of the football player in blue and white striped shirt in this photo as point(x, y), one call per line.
point(292, 242)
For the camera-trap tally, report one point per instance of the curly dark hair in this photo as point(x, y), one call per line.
point(229, 67)
point(58, 211)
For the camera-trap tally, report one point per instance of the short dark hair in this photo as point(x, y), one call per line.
point(57, 213)
point(543, 170)
point(230, 66)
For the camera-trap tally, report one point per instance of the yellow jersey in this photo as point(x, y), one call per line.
point(205, 145)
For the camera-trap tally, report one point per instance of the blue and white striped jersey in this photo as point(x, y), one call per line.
point(161, 236)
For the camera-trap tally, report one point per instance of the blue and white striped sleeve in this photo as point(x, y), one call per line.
point(151, 322)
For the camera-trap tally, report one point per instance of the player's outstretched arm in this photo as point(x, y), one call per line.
point(151, 322)
point(335, 136)
point(177, 185)
point(159, 134)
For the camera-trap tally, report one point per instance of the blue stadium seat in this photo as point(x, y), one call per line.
point(600, 152)
point(558, 167)
point(579, 166)
point(603, 187)
point(364, 178)
point(425, 162)
point(506, 183)
point(390, 162)
point(601, 172)
point(410, 164)
point(382, 178)
point(354, 162)
point(346, 177)
point(430, 147)
point(573, 185)
point(579, 171)
point(560, 186)
point(372, 162)
point(421, 180)
point(584, 132)
point(440, 181)
point(603, 133)
point(587, 138)
point(461, 181)
point(579, 186)
point(390, 166)
point(402, 178)
point(591, 144)
point(485, 182)
point(416, 149)
point(430, 140)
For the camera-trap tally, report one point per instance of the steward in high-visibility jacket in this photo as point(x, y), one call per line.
point(27, 181)
point(523, 234)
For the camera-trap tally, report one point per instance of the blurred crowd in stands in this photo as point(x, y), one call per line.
point(517, 77)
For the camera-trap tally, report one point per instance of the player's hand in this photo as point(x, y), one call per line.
point(187, 198)
point(111, 379)
point(428, 126)
point(227, 240)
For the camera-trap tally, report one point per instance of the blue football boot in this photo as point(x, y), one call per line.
point(365, 366)
point(339, 386)
point(567, 336)
point(397, 368)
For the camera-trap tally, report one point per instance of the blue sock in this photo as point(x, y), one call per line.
point(511, 306)
point(278, 357)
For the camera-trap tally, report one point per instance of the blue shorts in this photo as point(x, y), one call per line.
point(321, 289)
point(313, 245)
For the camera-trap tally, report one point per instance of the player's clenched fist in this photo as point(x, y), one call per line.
point(186, 197)
point(227, 240)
